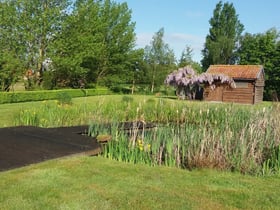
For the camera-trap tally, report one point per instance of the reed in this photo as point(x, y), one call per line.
point(188, 134)
point(225, 137)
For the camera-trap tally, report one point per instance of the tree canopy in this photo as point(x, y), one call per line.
point(159, 58)
point(27, 28)
point(263, 49)
point(90, 41)
point(96, 41)
point(222, 41)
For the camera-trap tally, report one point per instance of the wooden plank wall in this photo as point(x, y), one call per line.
point(258, 94)
point(240, 95)
point(246, 92)
point(224, 93)
point(213, 95)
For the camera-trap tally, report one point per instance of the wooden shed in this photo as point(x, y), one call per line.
point(249, 80)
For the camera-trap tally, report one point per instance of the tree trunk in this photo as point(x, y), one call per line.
point(153, 79)
point(133, 86)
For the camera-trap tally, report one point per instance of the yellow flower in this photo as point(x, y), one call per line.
point(147, 147)
point(140, 142)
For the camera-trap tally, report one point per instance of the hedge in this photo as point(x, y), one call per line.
point(24, 96)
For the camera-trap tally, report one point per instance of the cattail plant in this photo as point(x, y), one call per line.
point(188, 134)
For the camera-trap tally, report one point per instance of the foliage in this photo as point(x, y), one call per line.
point(206, 137)
point(96, 41)
point(27, 29)
point(224, 34)
point(159, 58)
point(186, 57)
point(10, 70)
point(187, 82)
point(186, 60)
point(264, 49)
point(48, 81)
point(64, 98)
point(15, 97)
point(54, 113)
point(86, 43)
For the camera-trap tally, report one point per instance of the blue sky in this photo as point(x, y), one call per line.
point(186, 22)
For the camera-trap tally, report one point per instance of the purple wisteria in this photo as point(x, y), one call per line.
point(187, 82)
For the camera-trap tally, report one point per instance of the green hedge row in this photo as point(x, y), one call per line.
point(24, 96)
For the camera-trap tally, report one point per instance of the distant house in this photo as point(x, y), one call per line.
point(249, 80)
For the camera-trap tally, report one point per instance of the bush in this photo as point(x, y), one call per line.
point(64, 98)
point(127, 99)
point(24, 96)
point(120, 89)
point(48, 81)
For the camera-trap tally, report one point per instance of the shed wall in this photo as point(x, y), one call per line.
point(243, 94)
point(259, 89)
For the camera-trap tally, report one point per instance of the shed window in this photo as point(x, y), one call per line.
point(241, 84)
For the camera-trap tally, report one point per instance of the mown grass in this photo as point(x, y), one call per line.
point(99, 183)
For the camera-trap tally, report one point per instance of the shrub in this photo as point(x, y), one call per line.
point(64, 98)
point(127, 99)
point(24, 96)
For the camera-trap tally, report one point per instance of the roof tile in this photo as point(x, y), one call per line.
point(237, 71)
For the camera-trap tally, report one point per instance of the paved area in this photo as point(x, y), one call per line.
point(24, 145)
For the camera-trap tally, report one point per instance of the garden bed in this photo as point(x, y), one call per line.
point(24, 145)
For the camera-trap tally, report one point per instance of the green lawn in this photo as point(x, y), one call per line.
point(98, 183)
point(8, 111)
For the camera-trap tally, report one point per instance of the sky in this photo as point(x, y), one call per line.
point(186, 22)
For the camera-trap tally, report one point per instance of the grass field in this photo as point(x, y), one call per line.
point(101, 183)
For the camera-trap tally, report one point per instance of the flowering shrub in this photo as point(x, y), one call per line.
point(187, 82)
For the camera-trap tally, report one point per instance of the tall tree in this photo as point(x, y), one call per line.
point(263, 49)
point(222, 41)
point(186, 59)
point(10, 46)
point(95, 42)
point(159, 57)
point(27, 27)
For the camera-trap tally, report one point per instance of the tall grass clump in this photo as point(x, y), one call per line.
point(188, 135)
point(53, 114)
point(225, 137)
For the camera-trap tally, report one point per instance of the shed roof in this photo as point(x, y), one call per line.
point(237, 71)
